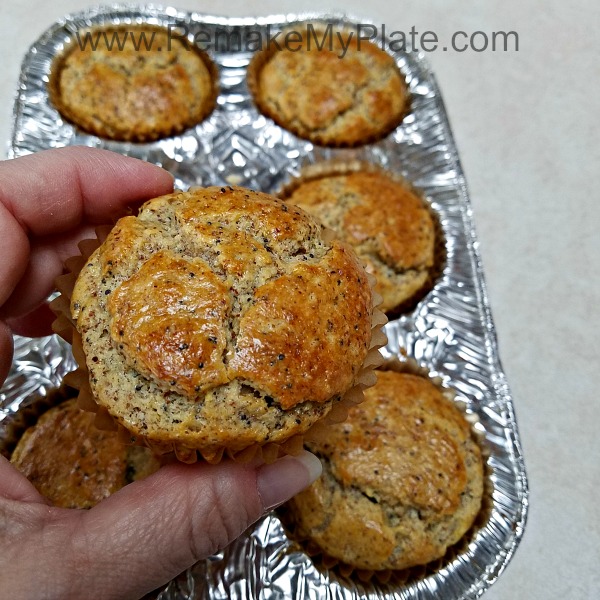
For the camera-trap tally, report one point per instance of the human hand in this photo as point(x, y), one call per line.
point(151, 530)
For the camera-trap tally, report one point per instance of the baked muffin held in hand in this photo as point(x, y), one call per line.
point(222, 319)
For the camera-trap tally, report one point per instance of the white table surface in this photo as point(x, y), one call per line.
point(526, 125)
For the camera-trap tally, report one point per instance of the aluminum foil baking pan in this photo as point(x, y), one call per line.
point(450, 332)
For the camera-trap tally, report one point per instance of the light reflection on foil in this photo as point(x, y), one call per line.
point(450, 332)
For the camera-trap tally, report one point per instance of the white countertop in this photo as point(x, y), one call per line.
point(526, 126)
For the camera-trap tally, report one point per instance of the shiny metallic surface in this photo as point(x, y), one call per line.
point(450, 332)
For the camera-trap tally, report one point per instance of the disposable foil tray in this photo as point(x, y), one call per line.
point(450, 332)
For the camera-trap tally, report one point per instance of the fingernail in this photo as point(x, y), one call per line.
point(286, 477)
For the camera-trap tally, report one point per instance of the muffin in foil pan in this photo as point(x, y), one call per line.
point(450, 332)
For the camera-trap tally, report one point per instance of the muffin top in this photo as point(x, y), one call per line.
point(132, 83)
point(337, 92)
point(221, 317)
point(387, 223)
point(403, 479)
point(72, 463)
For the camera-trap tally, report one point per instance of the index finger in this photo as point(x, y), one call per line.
point(55, 191)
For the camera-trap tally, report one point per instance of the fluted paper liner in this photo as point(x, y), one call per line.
point(332, 168)
point(264, 55)
point(343, 570)
point(269, 452)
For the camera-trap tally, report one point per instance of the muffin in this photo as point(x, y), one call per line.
point(222, 319)
point(133, 83)
point(402, 479)
point(388, 224)
point(342, 92)
point(74, 464)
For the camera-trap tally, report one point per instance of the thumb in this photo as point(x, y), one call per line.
point(152, 530)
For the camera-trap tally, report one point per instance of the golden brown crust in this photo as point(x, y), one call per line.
point(133, 94)
point(384, 219)
point(221, 317)
point(340, 95)
point(431, 479)
point(72, 463)
point(403, 479)
point(290, 347)
point(167, 323)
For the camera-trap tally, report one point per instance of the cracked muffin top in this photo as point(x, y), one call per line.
point(133, 83)
point(388, 224)
point(221, 317)
point(328, 87)
point(402, 479)
point(72, 463)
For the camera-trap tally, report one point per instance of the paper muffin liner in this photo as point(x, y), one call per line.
point(264, 55)
point(392, 577)
point(65, 327)
point(325, 169)
point(58, 65)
